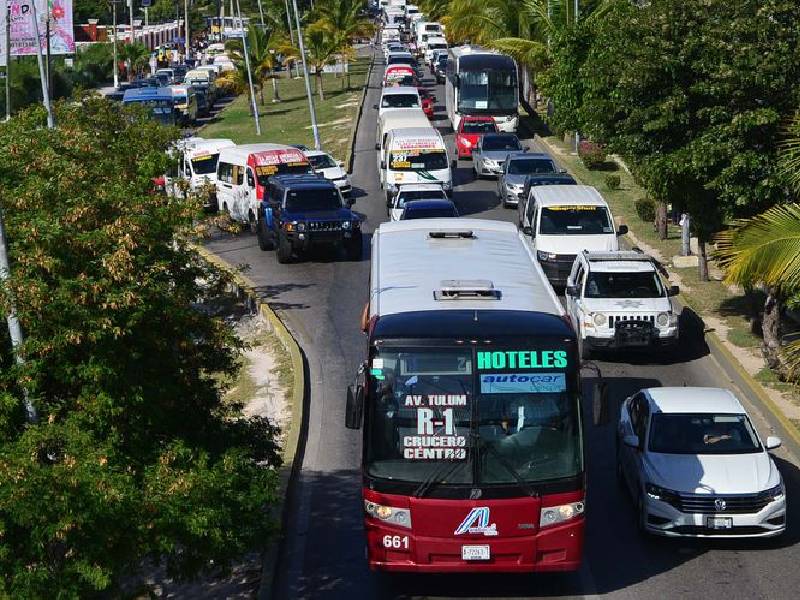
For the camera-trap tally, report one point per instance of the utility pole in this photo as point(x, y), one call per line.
point(247, 66)
point(114, 42)
point(187, 51)
point(133, 39)
point(8, 61)
point(261, 12)
point(14, 329)
point(47, 34)
point(317, 144)
point(291, 34)
point(40, 59)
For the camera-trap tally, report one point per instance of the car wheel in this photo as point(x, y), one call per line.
point(264, 242)
point(284, 252)
point(585, 351)
point(353, 248)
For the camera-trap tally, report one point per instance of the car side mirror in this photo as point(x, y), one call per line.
point(773, 442)
point(354, 409)
point(600, 408)
point(623, 229)
point(674, 290)
point(375, 106)
point(377, 146)
point(631, 441)
point(350, 202)
point(571, 290)
point(340, 163)
point(527, 230)
point(562, 171)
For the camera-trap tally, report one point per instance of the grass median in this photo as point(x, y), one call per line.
point(289, 121)
point(724, 308)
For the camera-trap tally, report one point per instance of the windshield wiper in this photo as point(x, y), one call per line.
point(526, 486)
point(436, 476)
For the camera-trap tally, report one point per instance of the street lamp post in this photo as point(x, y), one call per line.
point(186, 29)
point(291, 34)
point(315, 130)
point(114, 42)
point(8, 61)
point(247, 66)
point(42, 76)
point(130, 4)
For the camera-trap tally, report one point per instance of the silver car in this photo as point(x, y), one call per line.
point(515, 170)
point(696, 466)
point(491, 151)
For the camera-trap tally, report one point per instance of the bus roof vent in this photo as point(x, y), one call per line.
point(467, 289)
point(451, 235)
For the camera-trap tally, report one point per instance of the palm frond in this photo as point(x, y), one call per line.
point(790, 153)
point(532, 54)
point(763, 249)
point(791, 358)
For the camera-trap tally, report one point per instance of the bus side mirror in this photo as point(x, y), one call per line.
point(354, 410)
point(527, 230)
point(674, 290)
point(571, 290)
point(600, 408)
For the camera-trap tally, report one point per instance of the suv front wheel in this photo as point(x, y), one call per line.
point(264, 241)
point(284, 252)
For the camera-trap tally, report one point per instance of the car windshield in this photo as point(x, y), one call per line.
point(508, 415)
point(412, 212)
point(408, 196)
point(498, 142)
point(528, 166)
point(400, 60)
point(624, 285)
point(263, 173)
point(575, 220)
point(479, 127)
point(432, 160)
point(702, 433)
point(322, 161)
point(205, 165)
point(313, 199)
point(400, 101)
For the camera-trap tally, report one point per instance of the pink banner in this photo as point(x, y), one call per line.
point(23, 35)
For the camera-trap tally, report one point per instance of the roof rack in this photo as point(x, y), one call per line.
point(441, 235)
point(467, 289)
point(630, 255)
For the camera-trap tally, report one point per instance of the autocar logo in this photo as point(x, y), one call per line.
point(477, 521)
point(720, 504)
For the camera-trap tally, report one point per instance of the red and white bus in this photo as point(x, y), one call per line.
point(470, 405)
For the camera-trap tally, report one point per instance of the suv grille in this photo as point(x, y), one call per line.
point(744, 504)
point(324, 226)
point(614, 319)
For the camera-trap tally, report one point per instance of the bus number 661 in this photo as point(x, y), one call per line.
point(395, 541)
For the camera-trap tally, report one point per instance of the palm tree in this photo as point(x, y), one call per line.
point(138, 56)
point(346, 22)
point(321, 46)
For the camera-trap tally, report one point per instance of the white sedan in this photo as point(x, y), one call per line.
point(696, 466)
point(330, 169)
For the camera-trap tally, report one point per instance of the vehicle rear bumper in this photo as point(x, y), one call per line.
point(553, 549)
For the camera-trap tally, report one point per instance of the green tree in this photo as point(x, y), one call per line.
point(321, 46)
point(345, 21)
point(135, 457)
point(137, 56)
point(693, 94)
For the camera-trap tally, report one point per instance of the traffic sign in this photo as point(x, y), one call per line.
point(146, 3)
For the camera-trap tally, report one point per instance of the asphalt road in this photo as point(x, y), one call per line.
point(320, 300)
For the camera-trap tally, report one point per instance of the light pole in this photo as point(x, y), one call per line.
point(247, 66)
point(114, 42)
point(130, 4)
point(42, 76)
point(317, 144)
point(186, 29)
point(291, 32)
point(261, 13)
point(8, 61)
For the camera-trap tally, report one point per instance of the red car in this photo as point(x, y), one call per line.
point(469, 130)
point(427, 103)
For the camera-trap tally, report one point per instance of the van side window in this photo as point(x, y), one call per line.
point(251, 181)
point(531, 212)
point(238, 175)
point(225, 172)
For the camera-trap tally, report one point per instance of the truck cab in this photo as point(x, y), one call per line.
point(619, 300)
point(304, 211)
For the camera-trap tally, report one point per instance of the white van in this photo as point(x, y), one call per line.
point(243, 172)
point(198, 166)
point(399, 98)
point(390, 34)
point(434, 43)
point(414, 155)
point(397, 119)
point(566, 220)
point(425, 31)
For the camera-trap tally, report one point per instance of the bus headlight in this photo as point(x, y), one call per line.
point(662, 319)
point(388, 514)
point(553, 515)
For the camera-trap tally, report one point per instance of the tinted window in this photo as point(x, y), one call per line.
point(428, 213)
point(479, 127)
point(672, 433)
point(528, 166)
point(428, 161)
point(624, 285)
point(313, 199)
point(400, 101)
point(575, 220)
point(404, 197)
point(497, 142)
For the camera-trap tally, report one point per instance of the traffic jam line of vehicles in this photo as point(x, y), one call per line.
point(469, 397)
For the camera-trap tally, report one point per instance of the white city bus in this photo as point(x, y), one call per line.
point(482, 82)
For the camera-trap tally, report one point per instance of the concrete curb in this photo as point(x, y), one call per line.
point(297, 402)
point(728, 362)
point(351, 145)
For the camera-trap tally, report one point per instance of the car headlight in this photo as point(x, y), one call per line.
point(553, 515)
point(541, 255)
point(599, 319)
point(656, 492)
point(346, 224)
point(388, 514)
point(662, 319)
point(774, 493)
point(489, 162)
point(299, 226)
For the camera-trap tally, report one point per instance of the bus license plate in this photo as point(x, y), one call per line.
point(719, 523)
point(475, 553)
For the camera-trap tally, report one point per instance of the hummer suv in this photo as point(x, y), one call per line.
point(301, 211)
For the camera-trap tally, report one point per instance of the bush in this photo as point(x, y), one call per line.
point(646, 209)
point(612, 182)
point(592, 154)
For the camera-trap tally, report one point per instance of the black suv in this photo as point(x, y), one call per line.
point(300, 211)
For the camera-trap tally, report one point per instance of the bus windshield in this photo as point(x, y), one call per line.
point(487, 91)
point(205, 165)
point(418, 161)
point(263, 173)
point(464, 417)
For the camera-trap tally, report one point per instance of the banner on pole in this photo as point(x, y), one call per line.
point(23, 37)
point(3, 36)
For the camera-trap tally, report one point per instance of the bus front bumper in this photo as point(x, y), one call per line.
point(557, 548)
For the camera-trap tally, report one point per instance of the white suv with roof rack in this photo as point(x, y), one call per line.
point(619, 300)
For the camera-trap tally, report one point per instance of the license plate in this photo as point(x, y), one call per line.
point(719, 523)
point(475, 553)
